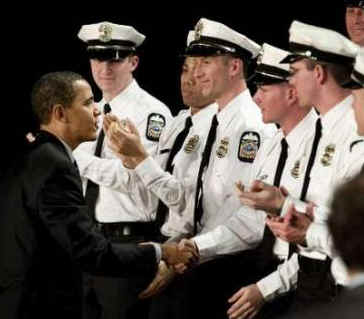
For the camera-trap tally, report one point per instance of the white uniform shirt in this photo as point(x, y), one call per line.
point(113, 206)
point(175, 190)
point(334, 163)
point(239, 130)
point(245, 228)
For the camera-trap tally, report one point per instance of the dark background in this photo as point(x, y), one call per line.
point(41, 39)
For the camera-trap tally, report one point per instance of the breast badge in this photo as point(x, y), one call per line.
point(192, 144)
point(326, 159)
point(223, 147)
point(295, 171)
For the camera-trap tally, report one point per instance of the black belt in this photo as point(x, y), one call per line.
point(309, 265)
point(128, 229)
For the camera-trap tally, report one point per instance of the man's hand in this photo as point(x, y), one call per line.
point(293, 226)
point(185, 243)
point(162, 279)
point(124, 140)
point(263, 196)
point(246, 302)
point(172, 254)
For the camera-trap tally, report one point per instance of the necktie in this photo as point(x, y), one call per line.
point(267, 243)
point(306, 181)
point(204, 164)
point(281, 163)
point(177, 145)
point(92, 189)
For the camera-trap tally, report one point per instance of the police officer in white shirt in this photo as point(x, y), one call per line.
point(321, 60)
point(316, 235)
point(222, 54)
point(354, 20)
point(112, 50)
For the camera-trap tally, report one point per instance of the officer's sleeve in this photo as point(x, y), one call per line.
point(63, 212)
point(319, 238)
point(103, 171)
point(243, 231)
point(164, 185)
point(281, 281)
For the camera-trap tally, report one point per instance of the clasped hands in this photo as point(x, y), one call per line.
point(176, 259)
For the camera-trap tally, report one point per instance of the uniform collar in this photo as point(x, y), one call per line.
point(305, 127)
point(204, 116)
point(338, 112)
point(233, 108)
point(124, 95)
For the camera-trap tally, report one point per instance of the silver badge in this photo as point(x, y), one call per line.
point(191, 144)
point(223, 147)
point(105, 32)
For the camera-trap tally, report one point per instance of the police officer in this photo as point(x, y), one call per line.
point(234, 138)
point(354, 20)
point(321, 60)
point(112, 50)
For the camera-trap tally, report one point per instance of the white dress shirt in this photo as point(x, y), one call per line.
point(334, 164)
point(114, 206)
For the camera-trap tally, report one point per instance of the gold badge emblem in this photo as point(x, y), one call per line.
point(295, 171)
point(198, 30)
point(191, 144)
point(326, 159)
point(223, 147)
point(105, 32)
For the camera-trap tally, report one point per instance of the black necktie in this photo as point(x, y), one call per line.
point(266, 246)
point(306, 181)
point(177, 145)
point(204, 164)
point(316, 140)
point(92, 189)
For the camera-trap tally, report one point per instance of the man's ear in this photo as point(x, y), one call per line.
point(134, 60)
point(320, 73)
point(59, 113)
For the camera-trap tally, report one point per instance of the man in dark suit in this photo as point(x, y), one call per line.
point(346, 224)
point(46, 237)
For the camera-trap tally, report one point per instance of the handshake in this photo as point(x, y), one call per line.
point(180, 255)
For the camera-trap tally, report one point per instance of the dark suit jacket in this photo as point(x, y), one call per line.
point(349, 305)
point(46, 238)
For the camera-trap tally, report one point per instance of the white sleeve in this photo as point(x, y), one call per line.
point(280, 281)
point(105, 172)
point(243, 231)
point(319, 238)
point(172, 191)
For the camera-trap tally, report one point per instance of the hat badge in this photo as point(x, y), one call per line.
point(198, 30)
point(105, 32)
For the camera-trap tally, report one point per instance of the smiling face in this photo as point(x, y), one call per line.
point(82, 115)
point(354, 18)
point(111, 76)
point(192, 86)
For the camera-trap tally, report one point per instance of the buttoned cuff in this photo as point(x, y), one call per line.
point(205, 244)
point(298, 204)
point(149, 170)
point(269, 286)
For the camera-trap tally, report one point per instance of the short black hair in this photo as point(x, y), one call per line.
point(346, 222)
point(51, 89)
